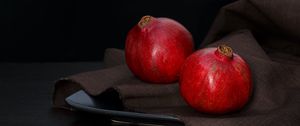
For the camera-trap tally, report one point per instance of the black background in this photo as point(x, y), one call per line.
point(76, 30)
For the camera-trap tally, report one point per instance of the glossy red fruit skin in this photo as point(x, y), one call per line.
point(156, 50)
point(214, 83)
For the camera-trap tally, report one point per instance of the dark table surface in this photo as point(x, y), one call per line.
point(26, 91)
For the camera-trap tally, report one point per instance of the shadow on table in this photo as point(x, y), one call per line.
point(77, 118)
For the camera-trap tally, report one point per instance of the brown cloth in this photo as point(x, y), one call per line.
point(266, 33)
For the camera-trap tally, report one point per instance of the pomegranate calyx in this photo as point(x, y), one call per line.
point(225, 50)
point(144, 21)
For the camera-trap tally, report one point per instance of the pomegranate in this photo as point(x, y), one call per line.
point(156, 49)
point(215, 80)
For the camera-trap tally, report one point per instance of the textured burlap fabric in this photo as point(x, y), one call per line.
point(266, 33)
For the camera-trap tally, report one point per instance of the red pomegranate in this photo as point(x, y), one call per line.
point(215, 80)
point(156, 49)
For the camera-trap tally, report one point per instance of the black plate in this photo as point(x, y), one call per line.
point(109, 104)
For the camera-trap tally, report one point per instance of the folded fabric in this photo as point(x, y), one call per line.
point(270, 46)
